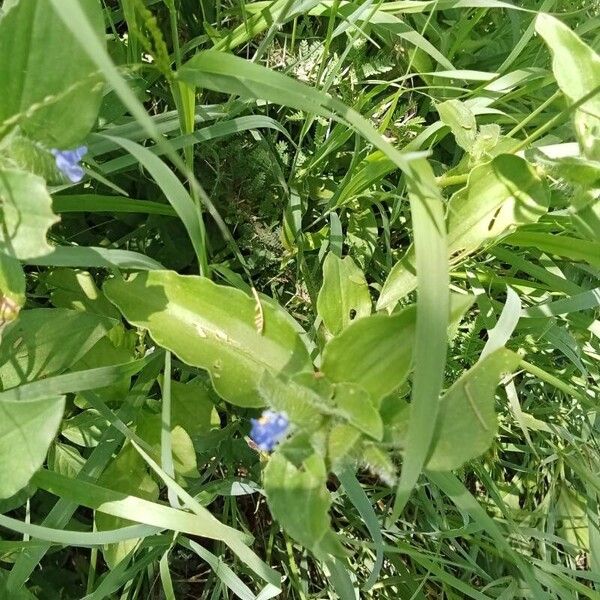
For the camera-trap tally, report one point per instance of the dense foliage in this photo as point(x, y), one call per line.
point(299, 299)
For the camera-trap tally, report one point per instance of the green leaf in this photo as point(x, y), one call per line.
point(46, 341)
point(26, 431)
point(573, 517)
point(192, 408)
point(376, 352)
point(116, 348)
point(230, 74)
point(467, 422)
point(85, 428)
point(126, 473)
point(352, 403)
point(499, 196)
point(461, 120)
point(49, 86)
point(559, 245)
point(576, 68)
point(431, 330)
point(26, 214)
point(213, 327)
point(86, 256)
point(21, 594)
point(65, 460)
point(344, 295)
point(341, 441)
point(298, 498)
point(77, 290)
point(184, 456)
point(378, 461)
point(303, 405)
point(175, 192)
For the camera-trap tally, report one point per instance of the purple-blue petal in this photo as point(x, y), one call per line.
point(269, 429)
point(80, 152)
point(67, 162)
point(74, 173)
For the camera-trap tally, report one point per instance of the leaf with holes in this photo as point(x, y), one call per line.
point(344, 295)
point(213, 327)
point(499, 196)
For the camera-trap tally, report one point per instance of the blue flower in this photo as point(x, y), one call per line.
point(269, 429)
point(67, 162)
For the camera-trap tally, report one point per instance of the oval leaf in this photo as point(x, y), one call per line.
point(26, 214)
point(499, 196)
point(44, 75)
point(213, 327)
point(576, 68)
point(26, 431)
point(467, 421)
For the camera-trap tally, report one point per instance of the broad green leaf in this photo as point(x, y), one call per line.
point(352, 403)
point(341, 441)
point(49, 86)
point(127, 474)
point(467, 422)
point(12, 288)
point(574, 169)
point(85, 428)
point(213, 327)
point(576, 68)
point(303, 405)
point(77, 290)
point(26, 431)
point(65, 459)
point(499, 196)
point(461, 120)
point(26, 211)
point(116, 348)
point(586, 212)
point(298, 498)
point(376, 351)
point(47, 341)
point(344, 295)
point(192, 408)
point(17, 151)
point(184, 457)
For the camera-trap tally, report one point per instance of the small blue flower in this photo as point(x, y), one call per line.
point(67, 162)
point(269, 429)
